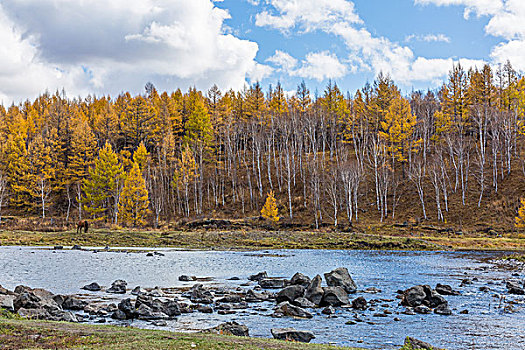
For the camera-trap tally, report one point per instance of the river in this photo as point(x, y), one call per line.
point(486, 326)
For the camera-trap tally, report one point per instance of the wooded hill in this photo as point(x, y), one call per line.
point(454, 156)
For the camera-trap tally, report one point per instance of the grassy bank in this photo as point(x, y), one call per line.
point(217, 239)
point(385, 237)
point(27, 334)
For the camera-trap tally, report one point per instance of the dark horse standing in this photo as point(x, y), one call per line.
point(82, 225)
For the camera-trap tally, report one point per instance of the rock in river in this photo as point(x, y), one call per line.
point(230, 328)
point(92, 287)
point(292, 334)
point(314, 292)
point(300, 279)
point(118, 287)
point(359, 303)
point(334, 296)
point(273, 283)
point(445, 289)
point(287, 309)
point(415, 344)
point(514, 288)
point(290, 293)
point(341, 278)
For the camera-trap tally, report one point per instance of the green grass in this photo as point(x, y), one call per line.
point(27, 334)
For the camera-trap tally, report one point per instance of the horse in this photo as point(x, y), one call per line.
point(82, 225)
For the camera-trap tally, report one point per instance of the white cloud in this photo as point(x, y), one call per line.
point(320, 66)
point(100, 46)
point(507, 21)
point(479, 7)
point(428, 38)
point(307, 14)
point(259, 72)
point(283, 60)
point(366, 52)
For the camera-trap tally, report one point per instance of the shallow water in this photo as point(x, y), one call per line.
point(485, 326)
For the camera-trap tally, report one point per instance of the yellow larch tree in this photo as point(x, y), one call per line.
point(520, 219)
point(270, 210)
point(134, 203)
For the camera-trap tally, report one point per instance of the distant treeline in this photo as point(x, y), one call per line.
point(157, 157)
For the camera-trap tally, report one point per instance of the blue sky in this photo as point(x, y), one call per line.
point(106, 47)
point(401, 21)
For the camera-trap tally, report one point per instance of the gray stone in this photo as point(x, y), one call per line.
point(118, 287)
point(6, 302)
point(300, 279)
point(291, 334)
point(415, 344)
point(334, 296)
point(304, 303)
point(287, 309)
point(290, 293)
point(92, 287)
point(259, 276)
point(341, 278)
point(359, 303)
point(443, 309)
point(445, 289)
point(73, 303)
point(186, 278)
point(273, 283)
point(230, 328)
point(314, 292)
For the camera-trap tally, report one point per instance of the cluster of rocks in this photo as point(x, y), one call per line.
point(423, 300)
point(516, 287)
point(41, 304)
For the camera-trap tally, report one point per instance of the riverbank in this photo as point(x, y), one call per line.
point(377, 238)
point(33, 334)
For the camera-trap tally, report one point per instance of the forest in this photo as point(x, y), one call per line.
point(330, 157)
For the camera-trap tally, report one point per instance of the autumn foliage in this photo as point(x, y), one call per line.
point(330, 157)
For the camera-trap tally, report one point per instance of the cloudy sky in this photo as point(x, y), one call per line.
point(109, 46)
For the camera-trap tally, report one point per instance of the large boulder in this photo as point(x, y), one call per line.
point(118, 287)
point(73, 303)
point(92, 287)
point(341, 278)
point(314, 292)
point(287, 309)
point(230, 328)
point(415, 296)
point(29, 300)
point(290, 293)
point(291, 334)
point(300, 279)
point(334, 296)
point(127, 308)
point(445, 289)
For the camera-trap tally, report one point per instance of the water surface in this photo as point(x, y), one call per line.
point(486, 326)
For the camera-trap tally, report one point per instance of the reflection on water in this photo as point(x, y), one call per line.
point(484, 327)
